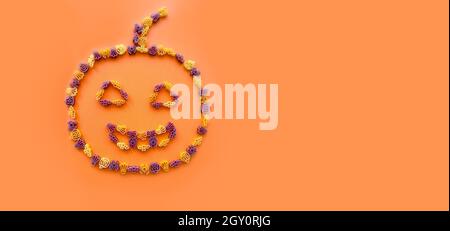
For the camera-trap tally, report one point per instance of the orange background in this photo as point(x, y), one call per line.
point(363, 105)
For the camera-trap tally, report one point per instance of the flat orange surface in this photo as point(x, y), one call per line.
point(363, 105)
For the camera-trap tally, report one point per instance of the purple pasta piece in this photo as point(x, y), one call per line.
point(153, 141)
point(155, 17)
point(111, 127)
point(201, 130)
point(133, 169)
point(191, 150)
point(113, 138)
point(152, 51)
point(80, 144)
point(72, 124)
point(172, 134)
point(95, 159)
point(205, 108)
point(132, 134)
point(132, 142)
point(114, 165)
point(136, 39)
point(138, 28)
point(75, 83)
point(174, 163)
point(105, 84)
point(131, 50)
point(151, 133)
point(158, 87)
point(179, 58)
point(70, 100)
point(195, 72)
point(157, 105)
point(97, 56)
point(124, 94)
point(84, 67)
point(105, 102)
point(113, 53)
point(155, 167)
point(203, 92)
point(170, 126)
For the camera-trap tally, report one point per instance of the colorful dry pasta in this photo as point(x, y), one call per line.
point(139, 47)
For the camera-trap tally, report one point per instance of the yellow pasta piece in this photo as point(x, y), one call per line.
point(118, 102)
point(91, 60)
point(105, 52)
point(153, 97)
point(164, 142)
point(87, 150)
point(189, 64)
point(78, 75)
point(163, 12)
point(185, 157)
point(160, 130)
point(123, 167)
point(168, 85)
point(169, 104)
point(72, 113)
point(144, 169)
point(121, 49)
point(205, 121)
point(71, 91)
point(142, 49)
point(164, 165)
point(104, 163)
point(75, 134)
point(197, 81)
point(203, 99)
point(122, 146)
point(160, 50)
point(121, 128)
point(142, 41)
point(99, 94)
point(142, 135)
point(143, 147)
point(147, 21)
point(169, 51)
point(197, 141)
point(116, 84)
point(145, 30)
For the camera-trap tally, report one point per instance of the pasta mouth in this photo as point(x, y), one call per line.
point(168, 133)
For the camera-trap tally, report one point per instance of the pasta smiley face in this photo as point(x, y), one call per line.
point(151, 137)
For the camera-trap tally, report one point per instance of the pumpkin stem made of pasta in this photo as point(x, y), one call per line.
point(141, 30)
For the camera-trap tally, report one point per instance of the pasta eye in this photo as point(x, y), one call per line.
point(168, 104)
point(106, 102)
